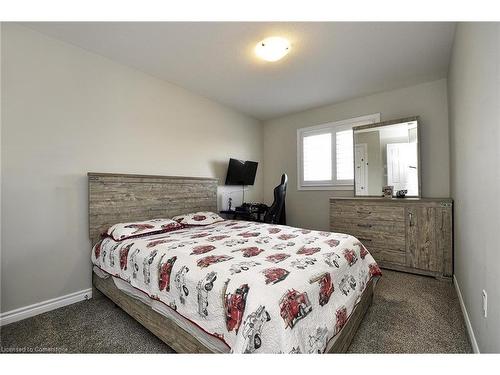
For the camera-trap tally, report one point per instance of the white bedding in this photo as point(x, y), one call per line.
point(247, 287)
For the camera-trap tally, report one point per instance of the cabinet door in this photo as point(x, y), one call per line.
point(421, 249)
point(444, 237)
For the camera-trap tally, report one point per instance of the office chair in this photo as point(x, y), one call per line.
point(276, 213)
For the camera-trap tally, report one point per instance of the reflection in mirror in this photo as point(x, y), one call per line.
point(386, 154)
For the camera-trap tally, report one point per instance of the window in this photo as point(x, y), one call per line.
point(317, 157)
point(325, 154)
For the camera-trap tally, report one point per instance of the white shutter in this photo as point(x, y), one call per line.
point(325, 155)
point(344, 156)
point(317, 157)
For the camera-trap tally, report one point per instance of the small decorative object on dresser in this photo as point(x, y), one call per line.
point(388, 191)
point(401, 193)
point(411, 234)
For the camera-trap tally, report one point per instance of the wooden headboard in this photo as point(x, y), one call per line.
point(117, 198)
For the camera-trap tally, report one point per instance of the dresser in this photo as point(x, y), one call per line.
point(411, 234)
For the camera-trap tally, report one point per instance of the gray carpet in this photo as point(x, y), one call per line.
point(410, 314)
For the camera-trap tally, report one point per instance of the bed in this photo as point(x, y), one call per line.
point(231, 286)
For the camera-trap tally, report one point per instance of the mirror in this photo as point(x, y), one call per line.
point(387, 154)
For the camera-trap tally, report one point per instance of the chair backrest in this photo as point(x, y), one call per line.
point(276, 213)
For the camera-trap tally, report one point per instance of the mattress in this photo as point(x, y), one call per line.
point(210, 342)
point(245, 287)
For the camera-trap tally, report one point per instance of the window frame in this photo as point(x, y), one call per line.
point(332, 128)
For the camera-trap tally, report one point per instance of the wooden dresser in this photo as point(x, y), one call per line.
point(410, 234)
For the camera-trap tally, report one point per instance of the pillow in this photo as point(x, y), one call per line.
point(122, 231)
point(198, 218)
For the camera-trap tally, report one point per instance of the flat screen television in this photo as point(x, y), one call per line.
point(241, 172)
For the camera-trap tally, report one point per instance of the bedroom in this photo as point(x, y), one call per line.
point(101, 126)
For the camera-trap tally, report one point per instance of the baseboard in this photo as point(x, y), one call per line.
point(44, 306)
point(470, 331)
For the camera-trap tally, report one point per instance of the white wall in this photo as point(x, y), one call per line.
point(474, 92)
point(65, 112)
point(310, 208)
point(1, 179)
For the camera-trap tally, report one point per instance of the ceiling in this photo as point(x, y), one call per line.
point(329, 62)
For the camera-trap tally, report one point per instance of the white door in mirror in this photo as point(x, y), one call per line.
point(361, 168)
point(401, 170)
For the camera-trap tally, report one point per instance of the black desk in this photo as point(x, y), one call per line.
point(243, 215)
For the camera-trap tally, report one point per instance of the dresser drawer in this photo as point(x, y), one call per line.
point(387, 256)
point(390, 235)
point(347, 210)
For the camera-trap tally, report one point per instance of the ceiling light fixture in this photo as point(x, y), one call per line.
point(273, 48)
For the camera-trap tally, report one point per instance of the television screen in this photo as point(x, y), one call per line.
point(241, 172)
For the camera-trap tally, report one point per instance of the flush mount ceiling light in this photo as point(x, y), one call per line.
point(272, 48)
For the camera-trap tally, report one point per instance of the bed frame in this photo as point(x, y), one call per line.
point(115, 198)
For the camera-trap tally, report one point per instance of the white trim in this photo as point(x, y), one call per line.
point(44, 306)
point(345, 124)
point(326, 187)
point(475, 347)
point(350, 121)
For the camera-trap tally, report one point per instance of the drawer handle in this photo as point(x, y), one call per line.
point(364, 212)
point(364, 239)
point(365, 225)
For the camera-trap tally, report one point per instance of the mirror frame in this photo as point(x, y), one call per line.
point(419, 158)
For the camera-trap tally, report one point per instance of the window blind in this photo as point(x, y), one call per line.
point(344, 155)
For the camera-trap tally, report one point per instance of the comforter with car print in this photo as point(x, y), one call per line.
point(257, 287)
